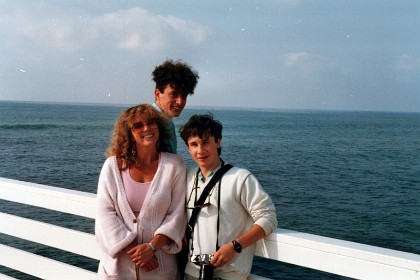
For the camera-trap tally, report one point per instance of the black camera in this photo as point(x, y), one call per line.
point(206, 269)
point(201, 259)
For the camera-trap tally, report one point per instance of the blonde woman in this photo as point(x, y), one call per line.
point(140, 214)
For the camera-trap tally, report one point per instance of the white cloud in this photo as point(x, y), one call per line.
point(143, 31)
point(190, 30)
point(303, 62)
point(134, 29)
point(406, 63)
point(51, 32)
point(296, 59)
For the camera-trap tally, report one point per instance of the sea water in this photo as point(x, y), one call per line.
point(346, 175)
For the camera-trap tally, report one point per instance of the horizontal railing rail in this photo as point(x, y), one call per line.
point(335, 256)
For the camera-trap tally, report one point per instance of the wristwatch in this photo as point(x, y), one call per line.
point(236, 246)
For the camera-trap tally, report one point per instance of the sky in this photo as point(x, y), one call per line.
point(283, 54)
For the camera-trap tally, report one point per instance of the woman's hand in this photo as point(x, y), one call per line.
point(151, 265)
point(141, 255)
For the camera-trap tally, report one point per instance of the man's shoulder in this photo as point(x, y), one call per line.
point(154, 105)
point(239, 172)
point(233, 172)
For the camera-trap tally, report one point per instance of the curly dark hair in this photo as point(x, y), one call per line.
point(178, 74)
point(122, 141)
point(202, 126)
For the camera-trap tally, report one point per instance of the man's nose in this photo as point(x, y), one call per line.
point(181, 100)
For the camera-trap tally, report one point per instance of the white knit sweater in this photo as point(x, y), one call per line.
point(162, 213)
point(243, 203)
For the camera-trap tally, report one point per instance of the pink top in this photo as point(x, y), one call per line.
point(134, 191)
point(163, 212)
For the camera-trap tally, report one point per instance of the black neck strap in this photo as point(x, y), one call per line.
point(215, 178)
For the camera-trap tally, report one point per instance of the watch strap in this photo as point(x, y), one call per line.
point(236, 246)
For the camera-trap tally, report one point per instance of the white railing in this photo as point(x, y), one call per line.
point(340, 257)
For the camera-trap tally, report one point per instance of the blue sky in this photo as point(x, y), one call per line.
point(291, 54)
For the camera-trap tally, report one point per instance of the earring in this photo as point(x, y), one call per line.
point(133, 150)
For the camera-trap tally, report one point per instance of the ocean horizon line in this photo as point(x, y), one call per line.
point(195, 107)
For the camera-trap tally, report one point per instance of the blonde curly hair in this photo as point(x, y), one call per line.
point(122, 141)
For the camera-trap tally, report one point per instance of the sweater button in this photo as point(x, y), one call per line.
point(134, 220)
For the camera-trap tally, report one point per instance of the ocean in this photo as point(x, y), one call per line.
point(341, 174)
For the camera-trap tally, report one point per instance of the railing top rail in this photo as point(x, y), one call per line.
point(53, 198)
point(321, 253)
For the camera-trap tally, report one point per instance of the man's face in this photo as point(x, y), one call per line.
point(204, 152)
point(171, 101)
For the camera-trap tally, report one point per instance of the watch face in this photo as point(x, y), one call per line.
point(236, 246)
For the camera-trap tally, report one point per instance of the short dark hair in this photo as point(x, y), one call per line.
point(202, 126)
point(178, 74)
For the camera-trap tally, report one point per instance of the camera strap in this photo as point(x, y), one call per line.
point(215, 178)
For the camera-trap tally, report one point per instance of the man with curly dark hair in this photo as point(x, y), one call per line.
point(175, 80)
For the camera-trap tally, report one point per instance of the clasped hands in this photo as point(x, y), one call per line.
point(143, 256)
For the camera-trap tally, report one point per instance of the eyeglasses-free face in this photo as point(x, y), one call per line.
point(171, 100)
point(138, 127)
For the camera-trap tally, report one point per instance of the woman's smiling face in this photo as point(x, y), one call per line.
point(145, 132)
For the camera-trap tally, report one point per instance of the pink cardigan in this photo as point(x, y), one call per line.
point(116, 226)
